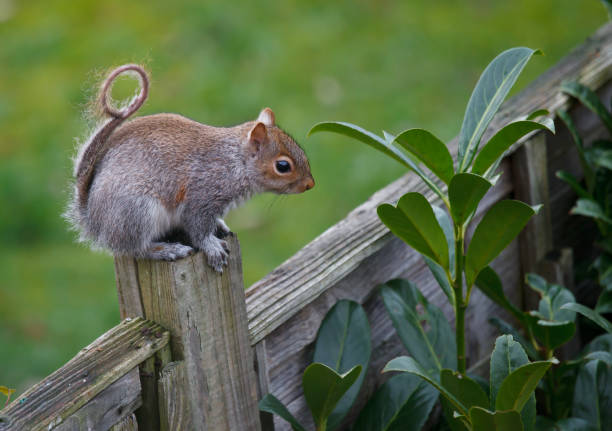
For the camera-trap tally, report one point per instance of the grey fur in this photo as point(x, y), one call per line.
point(164, 172)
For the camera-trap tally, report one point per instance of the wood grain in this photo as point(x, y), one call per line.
point(110, 406)
point(128, 423)
point(206, 315)
point(96, 367)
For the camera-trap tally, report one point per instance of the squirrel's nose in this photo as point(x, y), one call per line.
point(309, 183)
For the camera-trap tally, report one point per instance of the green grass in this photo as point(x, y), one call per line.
point(390, 65)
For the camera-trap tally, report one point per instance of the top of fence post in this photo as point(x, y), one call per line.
point(205, 313)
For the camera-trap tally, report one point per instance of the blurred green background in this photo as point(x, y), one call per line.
point(380, 64)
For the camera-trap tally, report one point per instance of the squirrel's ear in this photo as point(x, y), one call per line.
point(266, 116)
point(257, 136)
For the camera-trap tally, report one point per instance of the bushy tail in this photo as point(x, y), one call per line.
point(98, 141)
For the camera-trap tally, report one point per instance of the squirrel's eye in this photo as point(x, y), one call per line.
point(283, 166)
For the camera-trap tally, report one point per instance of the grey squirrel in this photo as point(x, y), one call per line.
point(139, 181)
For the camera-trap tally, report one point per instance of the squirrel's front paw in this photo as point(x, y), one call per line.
point(217, 252)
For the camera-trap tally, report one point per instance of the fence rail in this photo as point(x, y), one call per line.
point(224, 347)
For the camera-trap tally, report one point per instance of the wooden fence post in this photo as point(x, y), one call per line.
point(530, 178)
point(205, 312)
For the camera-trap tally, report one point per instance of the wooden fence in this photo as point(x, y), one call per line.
point(195, 351)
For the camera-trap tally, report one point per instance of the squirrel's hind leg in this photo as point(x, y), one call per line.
point(167, 251)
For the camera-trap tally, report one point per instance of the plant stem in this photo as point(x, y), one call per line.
point(460, 304)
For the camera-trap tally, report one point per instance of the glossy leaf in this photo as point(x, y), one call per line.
point(466, 390)
point(402, 403)
point(271, 404)
point(516, 389)
point(429, 150)
point(573, 183)
point(507, 356)
point(502, 141)
point(446, 224)
point(506, 328)
point(490, 91)
point(409, 365)
point(485, 420)
point(414, 222)
point(593, 395)
point(440, 275)
point(589, 99)
point(490, 284)
point(500, 225)
point(590, 314)
point(376, 142)
point(599, 157)
point(550, 333)
point(465, 193)
point(323, 388)
point(422, 327)
point(590, 208)
point(600, 356)
point(343, 341)
point(589, 175)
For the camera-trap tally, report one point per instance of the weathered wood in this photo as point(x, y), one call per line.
point(173, 406)
point(340, 249)
point(113, 404)
point(530, 178)
point(96, 367)
point(351, 257)
point(206, 315)
point(128, 423)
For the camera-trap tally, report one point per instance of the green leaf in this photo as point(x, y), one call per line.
point(600, 356)
point(465, 193)
point(589, 99)
point(466, 390)
point(429, 150)
point(343, 341)
point(490, 91)
point(502, 140)
point(440, 276)
point(590, 314)
point(573, 183)
point(553, 297)
point(506, 328)
point(593, 395)
point(537, 113)
point(378, 143)
point(490, 284)
point(402, 403)
point(447, 227)
point(552, 334)
point(484, 420)
point(409, 365)
point(500, 225)
point(422, 327)
point(516, 389)
point(600, 157)
point(589, 174)
point(271, 404)
point(590, 208)
point(323, 388)
point(507, 356)
point(414, 222)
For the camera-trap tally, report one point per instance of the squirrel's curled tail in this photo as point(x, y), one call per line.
point(97, 144)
